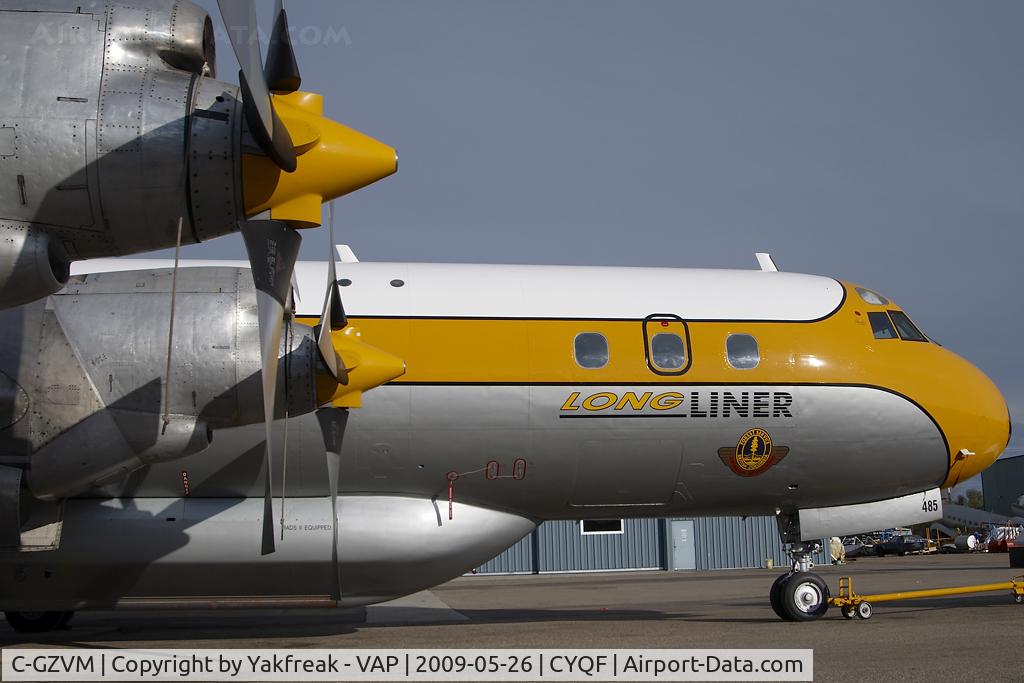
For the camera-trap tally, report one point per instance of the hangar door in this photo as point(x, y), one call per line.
point(684, 553)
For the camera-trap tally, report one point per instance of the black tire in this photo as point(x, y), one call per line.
point(865, 610)
point(1018, 599)
point(849, 611)
point(879, 552)
point(37, 622)
point(775, 596)
point(805, 597)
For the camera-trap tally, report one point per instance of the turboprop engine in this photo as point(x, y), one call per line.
point(90, 390)
point(94, 397)
point(116, 136)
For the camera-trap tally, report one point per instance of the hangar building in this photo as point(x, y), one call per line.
point(1003, 485)
point(636, 544)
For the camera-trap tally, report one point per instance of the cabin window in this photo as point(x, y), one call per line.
point(591, 350)
point(668, 351)
point(881, 326)
point(742, 351)
point(591, 527)
point(907, 329)
point(873, 298)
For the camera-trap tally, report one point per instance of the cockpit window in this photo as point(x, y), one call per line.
point(873, 298)
point(591, 350)
point(907, 329)
point(881, 326)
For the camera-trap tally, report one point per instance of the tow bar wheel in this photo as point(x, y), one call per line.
point(849, 611)
point(864, 610)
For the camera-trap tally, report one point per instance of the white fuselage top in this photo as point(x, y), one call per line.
point(445, 290)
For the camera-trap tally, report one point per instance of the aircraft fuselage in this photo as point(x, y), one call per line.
point(498, 424)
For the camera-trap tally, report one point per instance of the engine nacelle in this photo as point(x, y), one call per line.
point(103, 100)
point(31, 266)
point(89, 378)
point(916, 508)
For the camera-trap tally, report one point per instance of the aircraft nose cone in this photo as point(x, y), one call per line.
point(981, 430)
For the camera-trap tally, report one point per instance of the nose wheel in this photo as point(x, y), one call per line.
point(775, 596)
point(799, 596)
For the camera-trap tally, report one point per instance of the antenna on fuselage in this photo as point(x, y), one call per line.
point(765, 261)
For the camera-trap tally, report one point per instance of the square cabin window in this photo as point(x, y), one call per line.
point(590, 349)
point(742, 352)
point(592, 527)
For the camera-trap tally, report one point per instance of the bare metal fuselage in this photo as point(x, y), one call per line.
point(395, 535)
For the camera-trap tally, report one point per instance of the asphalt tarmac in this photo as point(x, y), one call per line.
point(943, 639)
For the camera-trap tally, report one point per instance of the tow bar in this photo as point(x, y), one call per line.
point(853, 605)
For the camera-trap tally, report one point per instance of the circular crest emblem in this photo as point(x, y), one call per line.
point(753, 454)
point(754, 450)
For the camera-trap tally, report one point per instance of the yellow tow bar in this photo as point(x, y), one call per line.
point(854, 605)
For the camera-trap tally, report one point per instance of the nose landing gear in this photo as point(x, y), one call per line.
point(800, 595)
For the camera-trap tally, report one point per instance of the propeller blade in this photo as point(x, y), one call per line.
point(332, 426)
point(272, 247)
point(293, 294)
point(333, 315)
point(281, 69)
point(338, 318)
point(264, 125)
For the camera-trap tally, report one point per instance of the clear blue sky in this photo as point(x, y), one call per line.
point(880, 142)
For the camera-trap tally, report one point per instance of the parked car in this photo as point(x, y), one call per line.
point(855, 547)
point(900, 545)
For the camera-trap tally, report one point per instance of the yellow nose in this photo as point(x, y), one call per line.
point(332, 160)
point(976, 422)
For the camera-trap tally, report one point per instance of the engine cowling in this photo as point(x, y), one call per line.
point(93, 364)
point(31, 266)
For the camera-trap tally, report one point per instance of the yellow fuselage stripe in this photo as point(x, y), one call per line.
point(839, 349)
